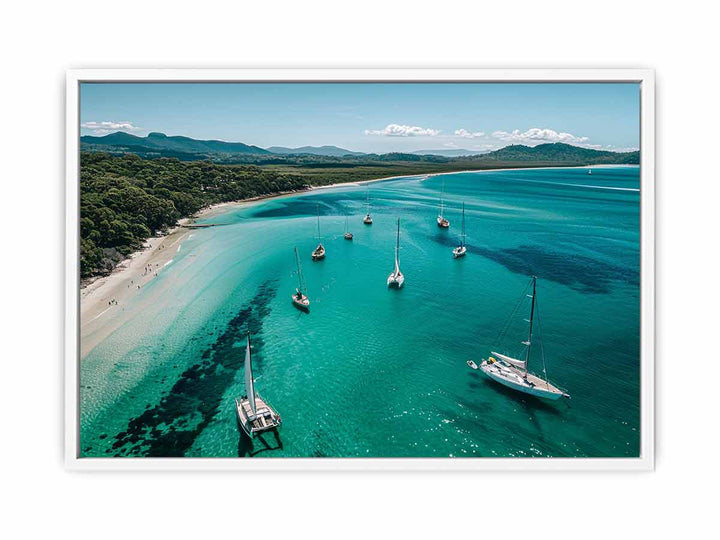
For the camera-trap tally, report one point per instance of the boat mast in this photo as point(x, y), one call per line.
point(249, 384)
point(318, 222)
point(397, 248)
point(532, 313)
point(462, 241)
point(301, 283)
point(442, 202)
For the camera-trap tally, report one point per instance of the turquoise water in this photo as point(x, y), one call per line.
point(373, 372)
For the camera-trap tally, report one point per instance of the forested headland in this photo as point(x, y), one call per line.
point(126, 198)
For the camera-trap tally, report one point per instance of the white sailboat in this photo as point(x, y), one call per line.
point(348, 235)
point(441, 221)
point(254, 413)
point(589, 171)
point(367, 220)
point(461, 249)
point(300, 299)
point(396, 277)
point(513, 372)
point(319, 252)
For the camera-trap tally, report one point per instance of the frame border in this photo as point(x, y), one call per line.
point(646, 79)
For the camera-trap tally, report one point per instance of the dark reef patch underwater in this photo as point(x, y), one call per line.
point(370, 372)
point(170, 428)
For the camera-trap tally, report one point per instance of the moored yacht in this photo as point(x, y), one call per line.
point(461, 249)
point(513, 372)
point(396, 278)
point(441, 221)
point(319, 252)
point(367, 220)
point(348, 235)
point(300, 299)
point(255, 415)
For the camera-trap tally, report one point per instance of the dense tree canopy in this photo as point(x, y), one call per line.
point(126, 199)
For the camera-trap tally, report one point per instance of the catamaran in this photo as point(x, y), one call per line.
point(319, 252)
point(441, 221)
point(300, 299)
point(367, 220)
point(461, 249)
point(396, 277)
point(254, 413)
point(348, 235)
point(513, 372)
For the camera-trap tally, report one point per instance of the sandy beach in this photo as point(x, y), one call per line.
point(102, 300)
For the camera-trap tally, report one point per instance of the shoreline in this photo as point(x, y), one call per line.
point(102, 299)
point(429, 175)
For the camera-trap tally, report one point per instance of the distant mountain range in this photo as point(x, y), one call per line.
point(164, 144)
point(187, 149)
point(451, 152)
point(315, 150)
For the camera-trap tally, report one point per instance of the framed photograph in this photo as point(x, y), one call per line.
point(360, 269)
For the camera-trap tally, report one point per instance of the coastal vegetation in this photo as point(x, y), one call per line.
point(187, 149)
point(126, 199)
point(134, 187)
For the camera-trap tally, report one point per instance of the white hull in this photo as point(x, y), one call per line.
point(319, 253)
point(302, 303)
point(396, 280)
point(264, 419)
point(442, 222)
point(459, 251)
point(367, 220)
point(511, 378)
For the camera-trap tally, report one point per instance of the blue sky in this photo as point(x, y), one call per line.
point(371, 117)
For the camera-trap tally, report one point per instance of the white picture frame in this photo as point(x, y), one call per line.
point(645, 78)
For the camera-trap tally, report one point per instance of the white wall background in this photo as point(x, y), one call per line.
point(38, 42)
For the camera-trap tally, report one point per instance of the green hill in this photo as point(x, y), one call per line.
point(188, 149)
point(559, 153)
point(164, 145)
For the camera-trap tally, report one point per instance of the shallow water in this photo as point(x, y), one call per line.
point(377, 372)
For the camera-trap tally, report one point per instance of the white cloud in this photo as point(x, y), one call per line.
point(400, 130)
point(534, 136)
point(465, 134)
point(103, 128)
